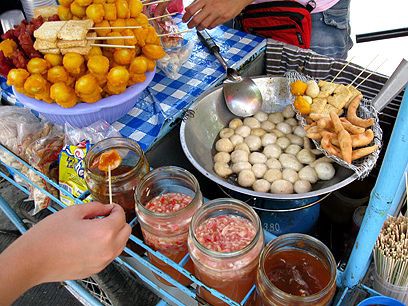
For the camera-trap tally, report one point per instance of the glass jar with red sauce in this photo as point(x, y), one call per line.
point(225, 241)
point(166, 200)
point(124, 178)
point(295, 269)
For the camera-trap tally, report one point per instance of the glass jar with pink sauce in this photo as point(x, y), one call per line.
point(225, 241)
point(166, 200)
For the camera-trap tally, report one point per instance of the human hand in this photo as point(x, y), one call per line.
point(207, 14)
point(74, 243)
point(161, 9)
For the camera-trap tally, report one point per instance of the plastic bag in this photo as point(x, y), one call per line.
point(171, 63)
point(93, 133)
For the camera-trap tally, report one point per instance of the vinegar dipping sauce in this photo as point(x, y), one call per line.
point(297, 272)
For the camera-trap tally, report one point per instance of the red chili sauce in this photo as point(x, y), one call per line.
point(297, 272)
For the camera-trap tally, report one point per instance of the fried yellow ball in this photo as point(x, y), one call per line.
point(153, 52)
point(84, 2)
point(95, 12)
point(120, 22)
point(115, 89)
point(94, 51)
point(110, 11)
point(118, 76)
point(122, 9)
point(65, 3)
point(131, 22)
point(63, 95)
point(138, 65)
point(101, 78)
point(123, 56)
point(136, 78)
point(298, 88)
point(152, 37)
point(73, 62)
point(35, 84)
point(91, 98)
point(77, 10)
point(17, 77)
point(8, 46)
point(151, 64)
point(53, 59)
point(98, 64)
point(45, 95)
point(37, 65)
point(86, 84)
point(64, 13)
point(57, 74)
point(142, 20)
point(129, 41)
point(99, 1)
point(119, 41)
point(135, 7)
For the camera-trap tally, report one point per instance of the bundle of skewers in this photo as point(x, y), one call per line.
point(341, 124)
point(391, 256)
point(94, 50)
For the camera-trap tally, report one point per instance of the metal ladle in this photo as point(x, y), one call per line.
point(242, 97)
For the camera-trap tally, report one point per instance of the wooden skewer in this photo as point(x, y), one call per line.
point(155, 2)
point(375, 70)
point(341, 70)
point(363, 70)
point(112, 46)
point(118, 27)
point(406, 188)
point(110, 184)
point(166, 15)
point(174, 33)
point(109, 37)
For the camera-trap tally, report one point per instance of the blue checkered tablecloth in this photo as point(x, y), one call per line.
point(166, 99)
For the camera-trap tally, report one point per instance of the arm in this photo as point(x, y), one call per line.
point(207, 14)
point(70, 244)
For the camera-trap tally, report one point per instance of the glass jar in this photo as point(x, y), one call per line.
point(124, 178)
point(232, 272)
point(315, 268)
point(166, 200)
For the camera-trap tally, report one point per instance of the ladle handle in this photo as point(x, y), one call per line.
point(207, 40)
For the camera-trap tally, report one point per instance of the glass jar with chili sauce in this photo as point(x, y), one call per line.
point(125, 176)
point(225, 241)
point(166, 200)
point(295, 269)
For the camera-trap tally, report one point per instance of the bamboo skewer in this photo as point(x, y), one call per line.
point(363, 71)
point(375, 70)
point(114, 28)
point(158, 17)
point(110, 184)
point(342, 69)
point(155, 2)
point(109, 37)
point(112, 46)
point(174, 33)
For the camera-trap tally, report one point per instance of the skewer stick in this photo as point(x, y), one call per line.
point(375, 70)
point(112, 46)
point(110, 184)
point(341, 70)
point(109, 37)
point(166, 15)
point(406, 187)
point(174, 33)
point(118, 27)
point(363, 70)
point(155, 2)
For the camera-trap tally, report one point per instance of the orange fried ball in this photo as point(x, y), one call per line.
point(77, 10)
point(93, 51)
point(95, 12)
point(138, 65)
point(123, 56)
point(63, 95)
point(57, 74)
point(65, 3)
point(17, 77)
point(120, 22)
point(122, 9)
point(8, 46)
point(153, 52)
point(35, 84)
point(150, 63)
point(98, 64)
point(119, 41)
point(45, 95)
point(115, 89)
point(135, 7)
point(298, 88)
point(37, 65)
point(73, 62)
point(118, 76)
point(110, 11)
point(101, 78)
point(142, 20)
point(64, 13)
point(53, 59)
point(91, 98)
point(136, 78)
point(87, 84)
point(129, 41)
point(102, 32)
point(84, 2)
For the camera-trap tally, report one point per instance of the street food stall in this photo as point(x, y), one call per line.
point(204, 190)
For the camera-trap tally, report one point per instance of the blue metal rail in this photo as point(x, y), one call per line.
point(384, 193)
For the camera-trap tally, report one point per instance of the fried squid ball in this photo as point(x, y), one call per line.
point(98, 64)
point(53, 59)
point(17, 77)
point(35, 84)
point(63, 95)
point(57, 74)
point(37, 65)
point(118, 76)
point(86, 85)
point(73, 62)
point(123, 56)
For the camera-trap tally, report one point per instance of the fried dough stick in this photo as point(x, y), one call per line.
point(352, 114)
